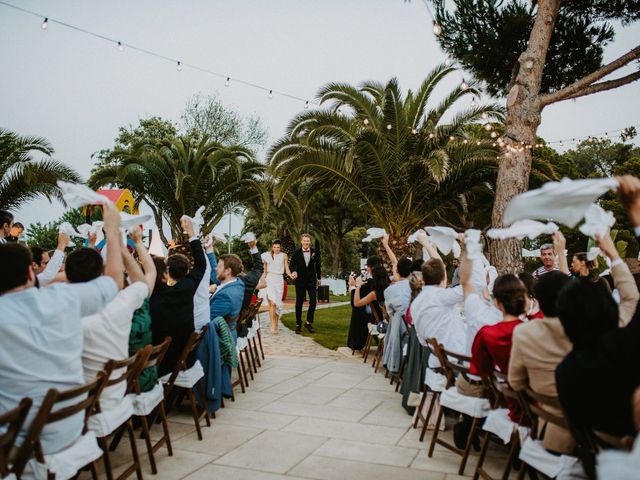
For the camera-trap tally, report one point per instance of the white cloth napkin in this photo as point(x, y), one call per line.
point(218, 236)
point(128, 221)
point(248, 237)
point(367, 239)
point(445, 239)
point(197, 220)
point(376, 232)
point(565, 201)
point(472, 244)
point(85, 230)
point(77, 195)
point(65, 227)
point(597, 221)
point(593, 253)
point(530, 253)
point(523, 228)
point(619, 465)
point(413, 238)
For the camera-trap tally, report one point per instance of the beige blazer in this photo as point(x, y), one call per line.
point(626, 285)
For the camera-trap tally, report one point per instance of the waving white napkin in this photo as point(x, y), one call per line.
point(413, 238)
point(218, 236)
point(375, 232)
point(597, 221)
point(367, 239)
point(197, 220)
point(248, 237)
point(128, 221)
point(523, 228)
point(472, 244)
point(593, 253)
point(77, 195)
point(530, 253)
point(565, 201)
point(65, 227)
point(85, 230)
point(445, 239)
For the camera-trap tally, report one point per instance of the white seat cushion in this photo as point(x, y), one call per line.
point(187, 378)
point(499, 423)
point(242, 343)
point(436, 382)
point(105, 422)
point(472, 406)
point(144, 403)
point(534, 454)
point(66, 463)
point(619, 465)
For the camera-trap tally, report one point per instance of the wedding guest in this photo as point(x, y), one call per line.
point(45, 266)
point(582, 267)
point(396, 300)
point(15, 233)
point(548, 260)
point(455, 277)
point(6, 223)
point(533, 307)
point(42, 334)
point(375, 298)
point(360, 316)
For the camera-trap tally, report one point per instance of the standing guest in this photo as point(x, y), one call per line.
point(15, 233)
point(106, 333)
point(171, 304)
point(276, 263)
point(455, 277)
point(375, 298)
point(360, 316)
point(41, 332)
point(201, 308)
point(46, 266)
point(548, 260)
point(305, 268)
point(583, 267)
point(6, 223)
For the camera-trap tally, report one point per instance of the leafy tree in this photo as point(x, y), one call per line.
point(208, 116)
point(178, 175)
point(393, 154)
point(22, 178)
point(46, 235)
point(536, 54)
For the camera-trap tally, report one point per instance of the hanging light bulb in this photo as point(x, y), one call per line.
point(270, 94)
point(179, 66)
point(451, 137)
point(45, 24)
point(487, 127)
point(494, 134)
point(306, 105)
point(473, 102)
point(465, 141)
point(366, 121)
point(120, 46)
point(478, 142)
point(485, 116)
point(414, 131)
point(227, 82)
point(431, 135)
point(389, 127)
point(448, 61)
point(464, 85)
point(437, 29)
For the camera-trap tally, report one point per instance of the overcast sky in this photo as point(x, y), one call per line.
point(76, 90)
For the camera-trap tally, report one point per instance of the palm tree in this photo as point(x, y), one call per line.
point(178, 175)
point(22, 178)
point(404, 160)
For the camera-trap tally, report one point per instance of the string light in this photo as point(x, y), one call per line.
point(464, 85)
point(270, 94)
point(306, 105)
point(448, 61)
point(227, 82)
point(485, 115)
point(487, 127)
point(44, 24)
point(179, 66)
point(494, 134)
point(414, 131)
point(366, 121)
point(437, 29)
point(120, 46)
point(389, 126)
point(451, 137)
point(431, 135)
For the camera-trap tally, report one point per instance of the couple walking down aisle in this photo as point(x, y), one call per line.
point(304, 269)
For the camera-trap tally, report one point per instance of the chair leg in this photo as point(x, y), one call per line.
point(244, 370)
point(379, 354)
point(367, 348)
point(205, 410)
point(147, 442)
point(483, 454)
point(256, 353)
point(434, 437)
point(240, 378)
point(134, 449)
point(253, 360)
point(420, 407)
point(194, 412)
point(465, 455)
point(260, 342)
point(165, 427)
point(432, 404)
point(102, 441)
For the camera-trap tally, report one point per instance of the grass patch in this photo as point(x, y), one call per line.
point(291, 295)
point(331, 324)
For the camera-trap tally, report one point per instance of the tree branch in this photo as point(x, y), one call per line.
point(608, 85)
point(574, 90)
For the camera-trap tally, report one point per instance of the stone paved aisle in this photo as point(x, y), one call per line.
point(310, 414)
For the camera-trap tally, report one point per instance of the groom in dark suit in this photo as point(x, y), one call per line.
point(305, 271)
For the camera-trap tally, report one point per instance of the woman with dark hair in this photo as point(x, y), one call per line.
point(581, 266)
point(375, 298)
point(533, 307)
point(276, 263)
point(360, 316)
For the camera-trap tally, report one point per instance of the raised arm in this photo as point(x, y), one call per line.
point(148, 272)
point(113, 267)
point(559, 246)
point(424, 241)
point(255, 273)
point(199, 260)
point(392, 256)
point(55, 262)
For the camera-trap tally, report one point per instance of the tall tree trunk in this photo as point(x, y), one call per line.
point(336, 260)
point(523, 118)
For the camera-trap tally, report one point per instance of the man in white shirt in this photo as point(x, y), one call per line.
point(41, 332)
point(46, 268)
point(106, 333)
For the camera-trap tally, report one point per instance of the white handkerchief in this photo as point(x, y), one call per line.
point(129, 221)
point(367, 239)
point(565, 201)
point(530, 253)
point(197, 220)
point(85, 230)
point(413, 238)
point(77, 195)
point(445, 239)
point(597, 221)
point(523, 228)
point(218, 236)
point(248, 237)
point(593, 253)
point(472, 244)
point(376, 232)
point(65, 227)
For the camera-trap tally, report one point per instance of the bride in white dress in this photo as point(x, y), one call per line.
point(276, 263)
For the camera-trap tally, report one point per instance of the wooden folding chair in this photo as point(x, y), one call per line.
point(153, 357)
point(133, 366)
point(459, 365)
point(430, 387)
point(10, 424)
point(253, 334)
point(500, 391)
point(373, 333)
point(76, 400)
point(181, 371)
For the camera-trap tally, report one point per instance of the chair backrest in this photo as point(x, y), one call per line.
point(451, 363)
point(191, 346)
point(533, 404)
point(10, 424)
point(153, 356)
point(78, 399)
point(500, 391)
point(132, 367)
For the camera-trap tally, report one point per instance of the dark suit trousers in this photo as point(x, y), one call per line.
point(301, 289)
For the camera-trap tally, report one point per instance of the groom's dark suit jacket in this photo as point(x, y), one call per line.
point(306, 274)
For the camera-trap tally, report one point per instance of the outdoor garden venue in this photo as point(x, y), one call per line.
point(294, 240)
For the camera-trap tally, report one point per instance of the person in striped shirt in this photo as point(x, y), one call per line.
point(553, 256)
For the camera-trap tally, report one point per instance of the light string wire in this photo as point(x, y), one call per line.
point(179, 63)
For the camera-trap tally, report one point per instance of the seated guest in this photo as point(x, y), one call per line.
point(15, 233)
point(41, 332)
point(396, 300)
point(171, 304)
point(6, 223)
point(360, 316)
point(533, 307)
point(375, 298)
point(46, 266)
point(106, 333)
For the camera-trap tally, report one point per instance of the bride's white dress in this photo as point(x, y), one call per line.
point(275, 278)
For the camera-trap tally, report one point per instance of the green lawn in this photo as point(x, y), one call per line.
point(331, 324)
point(291, 295)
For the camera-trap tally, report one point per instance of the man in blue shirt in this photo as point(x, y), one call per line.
point(41, 331)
